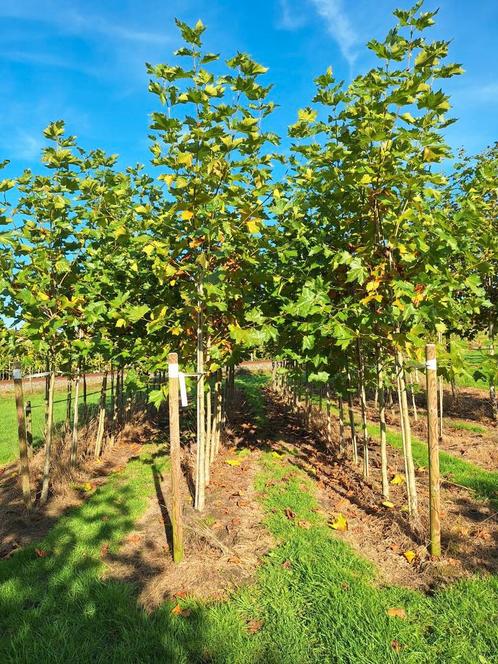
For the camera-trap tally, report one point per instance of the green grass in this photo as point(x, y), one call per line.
point(9, 444)
point(319, 607)
point(462, 425)
point(483, 482)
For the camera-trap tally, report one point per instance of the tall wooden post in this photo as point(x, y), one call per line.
point(174, 446)
point(432, 440)
point(21, 429)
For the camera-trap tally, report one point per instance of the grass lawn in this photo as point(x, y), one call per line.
point(9, 445)
point(483, 482)
point(313, 600)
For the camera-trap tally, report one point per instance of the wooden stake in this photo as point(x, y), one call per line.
point(21, 430)
point(175, 456)
point(101, 421)
point(432, 441)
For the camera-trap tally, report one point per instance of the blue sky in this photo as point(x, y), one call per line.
point(83, 61)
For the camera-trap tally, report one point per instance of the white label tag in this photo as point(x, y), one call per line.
point(431, 364)
point(183, 389)
point(173, 371)
point(16, 374)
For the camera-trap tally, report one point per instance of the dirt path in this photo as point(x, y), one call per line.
point(384, 535)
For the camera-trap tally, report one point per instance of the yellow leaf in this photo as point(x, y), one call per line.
point(410, 555)
point(396, 612)
point(253, 225)
point(121, 322)
point(233, 462)
point(43, 296)
point(340, 522)
point(185, 159)
point(187, 215)
point(168, 179)
point(387, 503)
point(176, 331)
point(120, 230)
point(276, 455)
point(211, 90)
point(397, 479)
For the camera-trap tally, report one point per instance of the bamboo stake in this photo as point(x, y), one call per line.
point(21, 431)
point(175, 456)
point(432, 441)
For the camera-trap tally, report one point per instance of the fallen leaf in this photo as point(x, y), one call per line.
point(254, 626)
point(180, 594)
point(277, 455)
point(134, 538)
point(410, 555)
point(397, 480)
point(396, 646)
point(396, 612)
point(388, 503)
point(233, 462)
point(287, 564)
point(41, 553)
point(289, 513)
point(339, 523)
point(177, 610)
point(304, 524)
point(235, 560)
point(104, 550)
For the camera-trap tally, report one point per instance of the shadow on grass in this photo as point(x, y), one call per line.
point(56, 606)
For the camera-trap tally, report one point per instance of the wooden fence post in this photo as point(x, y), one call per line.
point(432, 440)
point(21, 429)
point(174, 447)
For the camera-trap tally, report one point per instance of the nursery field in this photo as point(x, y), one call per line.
point(313, 596)
point(249, 407)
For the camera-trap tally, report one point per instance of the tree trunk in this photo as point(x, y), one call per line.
point(48, 439)
point(492, 387)
point(74, 441)
point(363, 401)
point(101, 418)
point(410, 468)
point(201, 451)
point(354, 442)
point(383, 431)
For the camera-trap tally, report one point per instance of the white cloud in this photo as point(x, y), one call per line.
point(339, 26)
point(335, 19)
point(290, 18)
point(22, 145)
